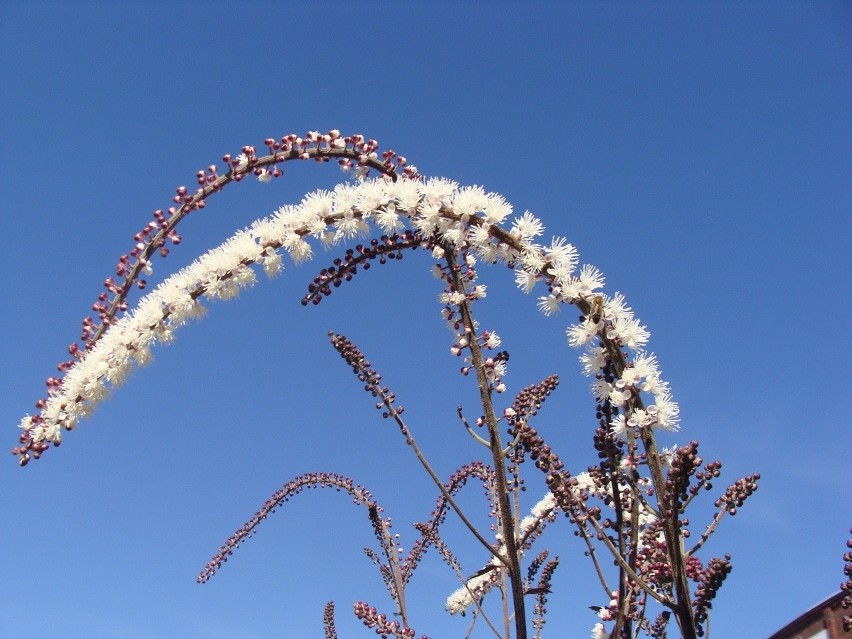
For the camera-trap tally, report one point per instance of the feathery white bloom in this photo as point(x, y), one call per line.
point(585, 482)
point(645, 366)
point(454, 299)
point(345, 197)
point(454, 234)
point(582, 333)
point(493, 340)
point(616, 307)
point(619, 397)
point(498, 369)
point(492, 253)
point(314, 205)
point(666, 411)
point(474, 589)
point(562, 255)
point(618, 425)
point(407, 194)
point(272, 265)
point(388, 219)
point(545, 505)
point(630, 332)
point(601, 389)
point(439, 191)
point(640, 418)
point(531, 258)
point(525, 280)
point(342, 214)
point(469, 200)
point(527, 226)
point(350, 226)
point(590, 278)
point(371, 195)
point(479, 237)
point(548, 304)
point(496, 208)
point(427, 219)
point(593, 359)
point(599, 632)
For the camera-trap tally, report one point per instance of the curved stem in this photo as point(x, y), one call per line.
point(470, 431)
point(197, 200)
point(409, 439)
point(504, 506)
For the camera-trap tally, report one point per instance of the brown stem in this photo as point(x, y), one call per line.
point(504, 506)
point(674, 540)
point(709, 531)
point(237, 173)
point(409, 439)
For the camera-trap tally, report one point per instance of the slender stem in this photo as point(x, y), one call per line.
point(393, 563)
point(503, 504)
point(192, 203)
point(594, 555)
point(709, 531)
point(409, 439)
point(674, 540)
point(470, 431)
point(505, 599)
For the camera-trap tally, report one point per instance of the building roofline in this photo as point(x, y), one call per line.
point(808, 616)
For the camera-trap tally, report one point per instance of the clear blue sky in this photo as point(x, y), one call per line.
point(699, 155)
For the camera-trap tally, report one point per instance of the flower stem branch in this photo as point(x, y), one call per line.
point(511, 560)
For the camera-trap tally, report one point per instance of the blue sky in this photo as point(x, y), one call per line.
point(698, 155)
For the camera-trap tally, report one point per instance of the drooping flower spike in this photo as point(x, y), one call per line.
point(153, 239)
point(439, 212)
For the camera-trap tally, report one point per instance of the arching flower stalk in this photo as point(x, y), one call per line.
point(630, 505)
point(153, 239)
point(360, 497)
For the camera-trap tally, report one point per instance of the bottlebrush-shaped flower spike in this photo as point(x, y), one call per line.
point(427, 208)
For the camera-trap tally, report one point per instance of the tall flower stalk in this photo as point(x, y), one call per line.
point(627, 509)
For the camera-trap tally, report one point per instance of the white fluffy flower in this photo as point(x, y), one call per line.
point(388, 219)
point(582, 333)
point(436, 207)
point(496, 208)
point(493, 340)
point(469, 200)
point(590, 278)
point(525, 280)
point(548, 304)
point(629, 332)
point(562, 255)
point(472, 590)
point(593, 359)
point(527, 226)
point(242, 161)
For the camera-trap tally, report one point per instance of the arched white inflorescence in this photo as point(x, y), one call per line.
point(437, 209)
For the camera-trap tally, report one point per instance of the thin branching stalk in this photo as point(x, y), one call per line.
point(711, 528)
point(197, 200)
point(512, 559)
point(396, 414)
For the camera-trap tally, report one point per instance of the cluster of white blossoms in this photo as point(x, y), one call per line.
point(474, 588)
point(437, 209)
point(477, 586)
